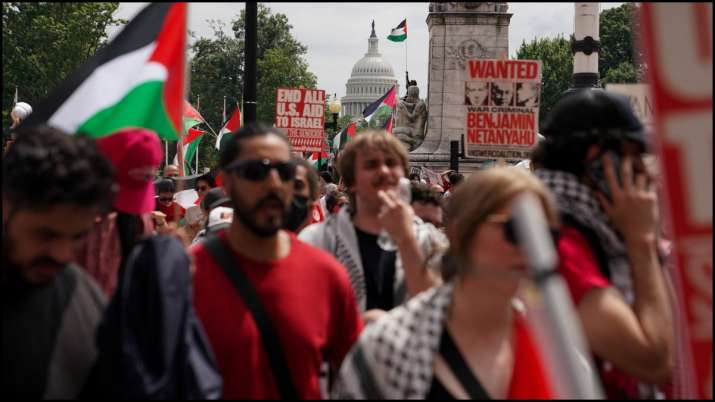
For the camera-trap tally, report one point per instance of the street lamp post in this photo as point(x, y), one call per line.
point(585, 46)
point(334, 108)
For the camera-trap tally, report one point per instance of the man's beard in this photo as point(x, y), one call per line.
point(11, 275)
point(246, 215)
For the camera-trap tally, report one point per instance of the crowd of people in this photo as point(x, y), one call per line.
point(278, 283)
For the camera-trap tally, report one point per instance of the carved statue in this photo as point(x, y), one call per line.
point(411, 119)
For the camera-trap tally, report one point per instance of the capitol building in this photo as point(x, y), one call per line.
point(371, 77)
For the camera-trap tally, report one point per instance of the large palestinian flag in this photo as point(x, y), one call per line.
point(137, 80)
point(379, 114)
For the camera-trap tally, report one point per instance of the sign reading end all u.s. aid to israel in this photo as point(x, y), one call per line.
point(300, 113)
point(501, 103)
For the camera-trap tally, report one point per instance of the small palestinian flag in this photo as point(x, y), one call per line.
point(379, 114)
point(319, 159)
point(343, 137)
point(191, 117)
point(233, 124)
point(137, 80)
point(190, 143)
point(399, 33)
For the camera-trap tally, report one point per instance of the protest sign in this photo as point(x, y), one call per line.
point(501, 99)
point(677, 40)
point(300, 113)
point(640, 97)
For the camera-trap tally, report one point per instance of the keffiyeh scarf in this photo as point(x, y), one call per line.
point(578, 202)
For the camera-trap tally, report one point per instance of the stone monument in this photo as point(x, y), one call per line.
point(411, 119)
point(457, 32)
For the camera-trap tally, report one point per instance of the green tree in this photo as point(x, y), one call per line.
point(217, 70)
point(619, 59)
point(43, 42)
point(557, 68)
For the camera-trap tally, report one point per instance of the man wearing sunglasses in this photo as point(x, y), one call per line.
point(304, 291)
point(608, 245)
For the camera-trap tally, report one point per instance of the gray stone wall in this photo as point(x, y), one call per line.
point(457, 32)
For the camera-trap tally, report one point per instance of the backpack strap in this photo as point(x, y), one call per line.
point(460, 368)
point(247, 291)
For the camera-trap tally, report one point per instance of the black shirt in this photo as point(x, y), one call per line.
point(379, 271)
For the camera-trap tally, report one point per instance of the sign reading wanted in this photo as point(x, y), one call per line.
point(501, 99)
point(300, 113)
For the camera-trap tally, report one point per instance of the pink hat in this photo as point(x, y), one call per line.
point(135, 153)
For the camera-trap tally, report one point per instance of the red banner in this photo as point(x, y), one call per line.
point(677, 40)
point(300, 112)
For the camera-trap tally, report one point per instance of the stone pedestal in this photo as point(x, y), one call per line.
point(457, 32)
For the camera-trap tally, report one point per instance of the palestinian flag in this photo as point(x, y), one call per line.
point(343, 137)
point(190, 143)
point(379, 114)
point(319, 159)
point(137, 80)
point(233, 124)
point(191, 117)
point(399, 33)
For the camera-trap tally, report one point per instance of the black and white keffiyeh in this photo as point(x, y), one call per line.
point(578, 201)
point(394, 356)
point(337, 236)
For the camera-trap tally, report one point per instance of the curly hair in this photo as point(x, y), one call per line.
point(46, 167)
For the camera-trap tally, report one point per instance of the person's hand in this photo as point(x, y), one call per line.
point(396, 216)
point(634, 207)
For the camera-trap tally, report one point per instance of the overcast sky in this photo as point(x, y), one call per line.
point(336, 33)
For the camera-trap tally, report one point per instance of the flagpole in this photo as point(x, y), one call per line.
point(224, 109)
point(13, 105)
point(166, 153)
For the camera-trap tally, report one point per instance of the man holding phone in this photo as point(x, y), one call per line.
point(592, 160)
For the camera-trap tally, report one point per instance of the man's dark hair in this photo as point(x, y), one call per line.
point(232, 149)
point(165, 185)
point(208, 178)
point(415, 176)
point(312, 177)
point(332, 199)
point(582, 119)
point(48, 167)
point(421, 192)
point(455, 178)
point(327, 177)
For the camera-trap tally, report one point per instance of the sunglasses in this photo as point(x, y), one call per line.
point(258, 169)
point(202, 188)
point(166, 199)
point(509, 226)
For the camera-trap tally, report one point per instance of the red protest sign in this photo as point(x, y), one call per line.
point(300, 112)
point(677, 40)
point(501, 99)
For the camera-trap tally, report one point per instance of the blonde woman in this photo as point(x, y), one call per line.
point(467, 338)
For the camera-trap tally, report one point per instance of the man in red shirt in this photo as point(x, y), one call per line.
point(592, 162)
point(305, 292)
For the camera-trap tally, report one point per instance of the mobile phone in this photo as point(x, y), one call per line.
point(598, 175)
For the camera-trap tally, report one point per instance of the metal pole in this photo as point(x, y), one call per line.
point(250, 77)
point(585, 45)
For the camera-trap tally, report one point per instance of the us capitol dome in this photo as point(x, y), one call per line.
point(371, 77)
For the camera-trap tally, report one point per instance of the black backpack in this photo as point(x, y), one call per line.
point(150, 343)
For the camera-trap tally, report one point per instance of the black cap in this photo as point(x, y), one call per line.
point(594, 111)
point(214, 198)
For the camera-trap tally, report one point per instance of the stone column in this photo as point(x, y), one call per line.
point(457, 32)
